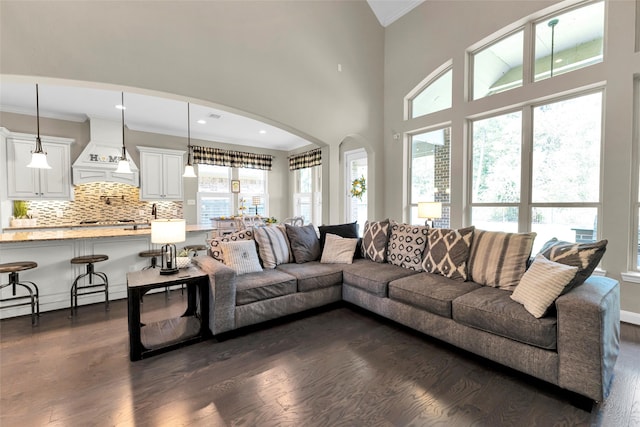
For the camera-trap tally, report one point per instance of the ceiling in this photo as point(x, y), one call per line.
point(144, 113)
point(162, 115)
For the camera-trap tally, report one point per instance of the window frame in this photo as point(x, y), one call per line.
point(315, 195)
point(423, 85)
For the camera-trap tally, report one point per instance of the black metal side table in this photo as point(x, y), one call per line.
point(158, 337)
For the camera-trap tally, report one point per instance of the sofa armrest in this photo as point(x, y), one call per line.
point(589, 336)
point(222, 295)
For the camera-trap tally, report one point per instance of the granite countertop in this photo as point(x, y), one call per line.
point(85, 233)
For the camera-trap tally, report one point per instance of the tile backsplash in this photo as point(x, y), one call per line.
point(101, 201)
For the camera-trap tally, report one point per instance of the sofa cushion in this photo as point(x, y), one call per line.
point(447, 252)
point(273, 245)
point(267, 284)
point(373, 277)
point(430, 292)
point(214, 245)
point(585, 256)
point(499, 259)
point(541, 284)
point(304, 243)
point(406, 245)
point(241, 255)
point(338, 250)
point(492, 310)
point(374, 240)
point(314, 275)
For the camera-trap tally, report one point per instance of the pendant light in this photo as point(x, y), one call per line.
point(188, 169)
point(38, 156)
point(123, 163)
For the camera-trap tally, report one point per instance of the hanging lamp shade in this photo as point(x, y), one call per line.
point(38, 156)
point(189, 172)
point(123, 163)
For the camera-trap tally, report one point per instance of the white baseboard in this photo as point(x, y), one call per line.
point(630, 317)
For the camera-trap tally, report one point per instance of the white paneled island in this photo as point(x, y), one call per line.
point(53, 249)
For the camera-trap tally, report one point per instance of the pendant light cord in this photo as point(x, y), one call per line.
point(124, 151)
point(38, 141)
point(189, 156)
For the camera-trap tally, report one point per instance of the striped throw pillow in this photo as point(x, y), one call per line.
point(273, 246)
point(499, 259)
point(543, 282)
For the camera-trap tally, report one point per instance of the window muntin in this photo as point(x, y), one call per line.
point(498, 67)
point(307, 196)
point(429, 178)
point(569, 41)
point(436, 96)
point(566, 150)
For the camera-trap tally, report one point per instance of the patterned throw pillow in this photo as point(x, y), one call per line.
point(216, 252)
point(448, 252)
point(273, 245)
point(499, 259)
point(241, 255)
point(375, 239)
point(585, 256)
point(542, 283)
point(406, 245)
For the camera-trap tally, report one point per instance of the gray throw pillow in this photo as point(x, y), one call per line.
point(375, 239)
point(304, 242)
point(585, 256)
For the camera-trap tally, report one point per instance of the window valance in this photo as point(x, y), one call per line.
point(234, 159)
point(306, 159)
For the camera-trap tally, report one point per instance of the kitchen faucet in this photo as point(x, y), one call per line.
point(154, 211)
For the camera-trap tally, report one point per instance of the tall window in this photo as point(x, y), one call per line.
point(356, 164)
point(214, 192)
point(253, 188)
point(307, 196)
point(564, 189)
point(429, 166)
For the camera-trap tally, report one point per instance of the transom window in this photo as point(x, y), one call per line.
point(435, 96)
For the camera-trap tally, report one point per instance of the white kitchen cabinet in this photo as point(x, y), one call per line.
point(25, 183)
point(161, 173)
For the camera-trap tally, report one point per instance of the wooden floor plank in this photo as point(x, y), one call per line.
point(337, 367)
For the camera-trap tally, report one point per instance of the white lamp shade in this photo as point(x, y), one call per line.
point(429, 210)
point(256, 200)
point(189, 172)
point(168, 231)
point(39, 161)
point(124, 167)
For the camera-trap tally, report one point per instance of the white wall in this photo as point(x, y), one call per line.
point(275, 60)
point(438, 31)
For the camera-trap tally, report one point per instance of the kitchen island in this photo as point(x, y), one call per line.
point(53, 249)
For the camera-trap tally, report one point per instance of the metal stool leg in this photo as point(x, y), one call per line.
point(90, 273)
point(34, 295)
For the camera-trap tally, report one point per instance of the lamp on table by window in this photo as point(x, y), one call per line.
point(168, 232)
point(256, 202)
point(430, 211)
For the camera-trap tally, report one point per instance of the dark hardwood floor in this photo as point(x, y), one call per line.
point(337, 367)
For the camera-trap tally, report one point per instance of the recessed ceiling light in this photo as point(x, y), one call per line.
point(202, 122)
point(121, 107)
point(262, 132)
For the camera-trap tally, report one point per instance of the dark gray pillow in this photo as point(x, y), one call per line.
point(585, 256)
point(304, 241)
point(348, 231)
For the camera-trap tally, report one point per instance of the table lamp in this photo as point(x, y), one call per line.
point(167, 232)
point(256, 202)
point(430, 211)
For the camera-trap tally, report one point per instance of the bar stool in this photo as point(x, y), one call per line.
point(153, 253)
point(76, 288)
point(34, 295)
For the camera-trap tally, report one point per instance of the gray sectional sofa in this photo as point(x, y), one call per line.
point(574, 345)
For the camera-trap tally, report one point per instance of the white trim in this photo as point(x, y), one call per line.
point(630, 317)
point(631, 276)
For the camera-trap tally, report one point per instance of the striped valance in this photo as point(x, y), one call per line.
point(234, 159)
point(305, 160)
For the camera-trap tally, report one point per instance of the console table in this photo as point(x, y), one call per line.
point(146, 340)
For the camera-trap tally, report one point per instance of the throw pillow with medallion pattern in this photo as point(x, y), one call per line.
point(406, 245)
point(375, 239)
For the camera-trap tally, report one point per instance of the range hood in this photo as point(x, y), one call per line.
point(99, 159)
